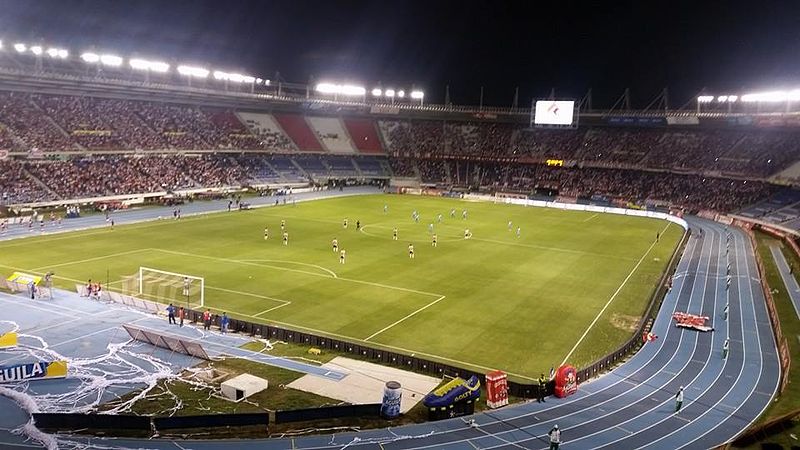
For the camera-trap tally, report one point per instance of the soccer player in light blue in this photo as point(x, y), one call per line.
point(519, 230)
point(510, 225)
point(464, 214)
point(430, 228)
point(385, 209)
point(440, 218)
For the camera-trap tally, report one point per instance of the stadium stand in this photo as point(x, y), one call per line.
point(365, 135)
point(267, 130)
point(26, 121)
point(700, 168)
point(331, 133)
point(287, 168)
point(298, 131)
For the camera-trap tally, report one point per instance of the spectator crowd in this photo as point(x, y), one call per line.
point(694, 167)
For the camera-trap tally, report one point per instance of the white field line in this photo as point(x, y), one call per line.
point(661, 343)
point(406, 351)
point(554, 249)
point(236, 261)
point(316, 274)
point(272, 309)
point(102, 228)
point(283, 302)
point(611, 299)
point(592, 217)
point(412, 314)
point(97, 258)
point(333, 274)
point(494, 241)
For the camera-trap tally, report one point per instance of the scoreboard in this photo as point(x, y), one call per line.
point(554, 113)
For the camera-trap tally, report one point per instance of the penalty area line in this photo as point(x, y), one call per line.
point(412, 314)
point(613, 296)
point(272, 309)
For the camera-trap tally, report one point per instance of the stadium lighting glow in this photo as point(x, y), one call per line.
point(401, 94)
point(344, 89)
point(90, 57)
point(389, 93)
point(111, 60)
point(143, 64)
point(57, 53)
point(36, 50)
point(20, 48)
point(732, 98)
point(190, 71)
point(705, 98)
point(417, 95)
point(722, 98)
point(235, 77)
point(376, 92)
point(772, 96)
point(1, 45)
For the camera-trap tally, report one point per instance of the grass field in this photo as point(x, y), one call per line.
point(521, 304)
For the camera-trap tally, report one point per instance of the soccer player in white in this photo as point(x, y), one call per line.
point(467, 234)
point(285, 238)
point(342, 256)
point(435, 239)
point(430, 228)
point(510, 225)
point(394, 234)
point(519, 230)
point(453, 213)
point(335, 244)
point(266, 233)
point(411, 251)
point(439, 217)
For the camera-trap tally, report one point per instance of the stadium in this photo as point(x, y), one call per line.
point(205, 258)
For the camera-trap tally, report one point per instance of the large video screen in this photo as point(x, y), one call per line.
point(552, 112)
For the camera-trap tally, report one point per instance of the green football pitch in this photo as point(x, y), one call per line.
point(571, 285)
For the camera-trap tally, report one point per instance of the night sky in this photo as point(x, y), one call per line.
point(537, 45)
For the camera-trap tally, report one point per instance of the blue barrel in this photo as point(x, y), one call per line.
point(390, 406)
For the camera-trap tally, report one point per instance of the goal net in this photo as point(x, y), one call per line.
point(167, 287)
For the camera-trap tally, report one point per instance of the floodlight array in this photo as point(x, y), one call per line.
point(341, 89)
point(772, 96)
point(191, 71)
point(392, 93)
point(755, 97)
point(144, 65)
point(234, 77)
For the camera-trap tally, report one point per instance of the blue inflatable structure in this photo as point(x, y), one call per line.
point(455, 391)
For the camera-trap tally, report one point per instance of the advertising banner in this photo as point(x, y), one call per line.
point(33, 371)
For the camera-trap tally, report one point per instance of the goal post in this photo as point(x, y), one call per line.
point(171, 287)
